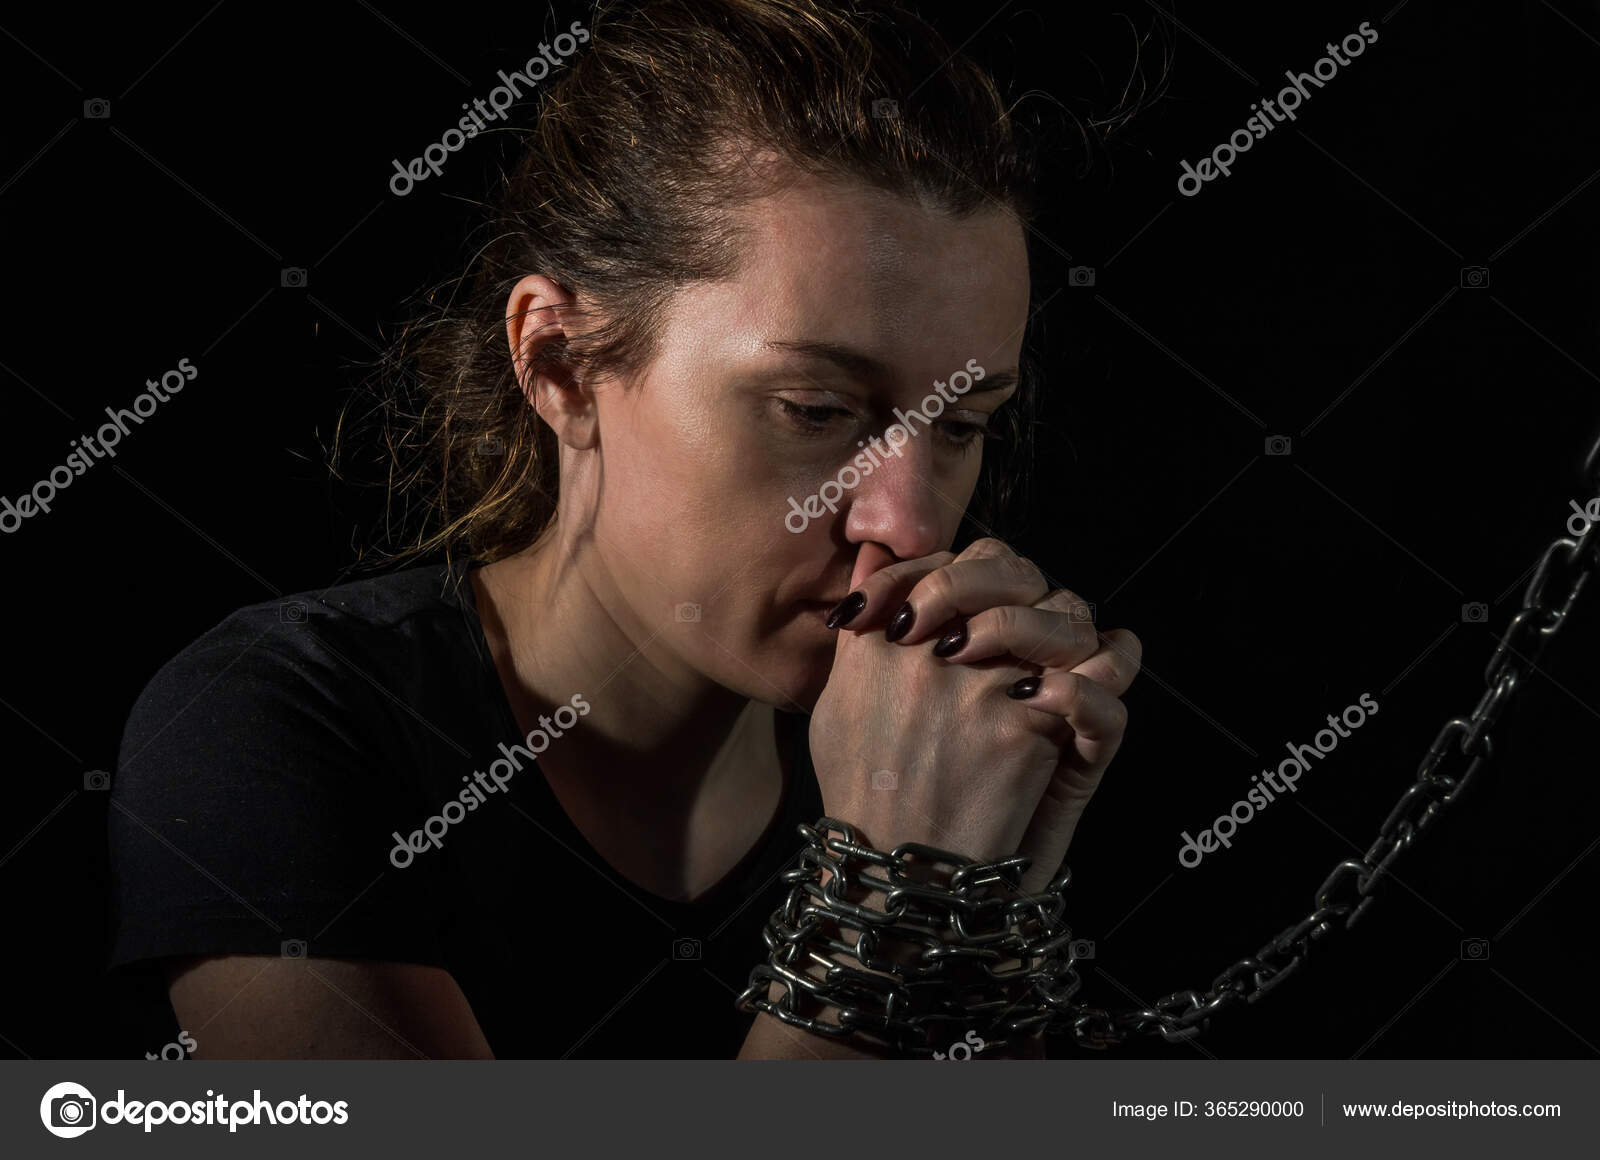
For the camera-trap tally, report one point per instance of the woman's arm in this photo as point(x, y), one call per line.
point(268, 1007)
point(770, 1038)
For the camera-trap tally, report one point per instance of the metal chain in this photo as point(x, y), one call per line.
point(910, 1004)
point(1347, 893)
point(948, 950)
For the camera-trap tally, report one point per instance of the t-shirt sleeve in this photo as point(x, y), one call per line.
point(253, 811)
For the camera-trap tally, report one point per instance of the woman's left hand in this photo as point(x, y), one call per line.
point(989, 606)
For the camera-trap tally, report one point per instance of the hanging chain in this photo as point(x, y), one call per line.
point(951, 978)
point(1459, 750)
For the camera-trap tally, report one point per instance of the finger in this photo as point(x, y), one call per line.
point(967, 586)
point(1057, 632)
point(1116, 663)
point(1033, 635)
point(1096, 715)
point(869, 604)
point(870, 557)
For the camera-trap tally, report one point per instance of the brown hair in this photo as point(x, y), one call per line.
point(621, 196)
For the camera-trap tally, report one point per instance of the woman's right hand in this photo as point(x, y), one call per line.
point(909, 747)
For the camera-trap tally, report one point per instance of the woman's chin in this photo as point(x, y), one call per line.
point(797, 680)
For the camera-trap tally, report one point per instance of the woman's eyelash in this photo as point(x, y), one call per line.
point(815, 418)
point(966, 434)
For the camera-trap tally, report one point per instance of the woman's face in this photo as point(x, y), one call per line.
point(850, 303)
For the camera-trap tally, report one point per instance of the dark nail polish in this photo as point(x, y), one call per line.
point(951, 643)
point(847, 610)
point(1023, 689)
point(901, 622)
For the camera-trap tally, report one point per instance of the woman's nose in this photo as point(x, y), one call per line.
point(899, 504)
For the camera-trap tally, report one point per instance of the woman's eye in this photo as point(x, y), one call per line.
point(809, 417)
point(815, 419)
point(963, 435)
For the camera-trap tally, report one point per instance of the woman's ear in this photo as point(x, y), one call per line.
point(537, 314)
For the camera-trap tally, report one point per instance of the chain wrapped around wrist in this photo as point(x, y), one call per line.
point(953, 946)
point(914, 1010)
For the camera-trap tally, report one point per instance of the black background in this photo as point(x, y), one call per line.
point(1436, 431)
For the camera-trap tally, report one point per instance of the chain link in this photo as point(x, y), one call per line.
point(960, 932)
point(1462, 746)
point(971, 948)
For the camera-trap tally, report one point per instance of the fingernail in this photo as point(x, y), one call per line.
point(951, 643)
point(847, 610)
point(1023, 689)
point(901, 623)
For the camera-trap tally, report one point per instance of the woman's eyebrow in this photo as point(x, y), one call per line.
point(861, 365)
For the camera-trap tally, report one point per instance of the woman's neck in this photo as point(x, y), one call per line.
point(672, 779)
point(655, 727)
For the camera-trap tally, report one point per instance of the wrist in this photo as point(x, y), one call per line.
point(912, 951)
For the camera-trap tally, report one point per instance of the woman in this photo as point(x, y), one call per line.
point(695, 438)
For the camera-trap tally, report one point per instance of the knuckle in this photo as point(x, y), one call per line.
point(1128, 647)
point(983, 549)
point(1003, 621)
point(936, 586)
point(887, 579)
point(1117, 711)
point(1070, 632)
point(1073, 690)
point(1096, 638)
point(1022, 570)
point(1013, 729)
point(1066, 601)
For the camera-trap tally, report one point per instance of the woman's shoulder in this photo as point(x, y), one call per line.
point(320, 668)
point(264, 766)
point(322, 634)
point(400, 604)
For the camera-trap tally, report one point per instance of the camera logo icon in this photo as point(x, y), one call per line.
point(68, 1110)
point(685, 948)
point(293, 278)
point(292, 612)
point(1475, 613)
point(294, 948)
point(1474, 277)
point(1080, 276)
point(490, 445)
point(1082, 610)
point(1474, 949)
point(884, 779)
point(96, 109)
point(686, 612)
point(97, 779)
point(886, 109)
point(1082, 948)
point(1278, 444)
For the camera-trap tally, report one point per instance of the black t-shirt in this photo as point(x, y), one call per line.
point(266, 770)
